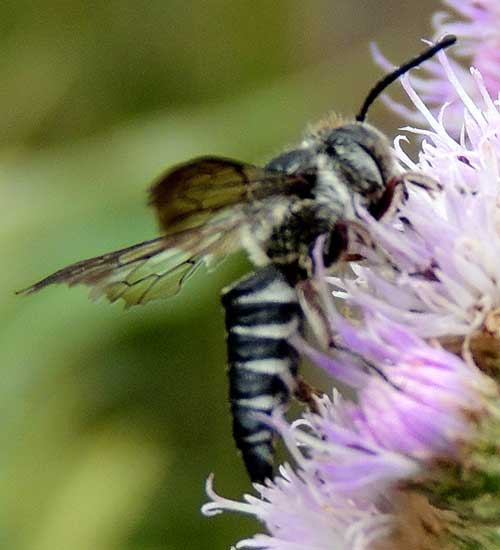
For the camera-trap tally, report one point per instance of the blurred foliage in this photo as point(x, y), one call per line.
point(113, 419)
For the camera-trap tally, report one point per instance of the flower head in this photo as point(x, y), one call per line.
point(478, 33)
point(352, 457)
point(439, 272)
point(299, 512)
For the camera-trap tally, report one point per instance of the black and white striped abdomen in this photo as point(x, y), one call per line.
point(262, 312)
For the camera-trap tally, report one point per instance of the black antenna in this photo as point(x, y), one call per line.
point(388, 79)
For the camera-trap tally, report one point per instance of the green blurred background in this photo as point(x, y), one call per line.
point(112, 419)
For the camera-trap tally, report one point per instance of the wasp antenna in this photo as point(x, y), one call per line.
point(388, 79)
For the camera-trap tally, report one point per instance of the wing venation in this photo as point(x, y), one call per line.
point(149, 270)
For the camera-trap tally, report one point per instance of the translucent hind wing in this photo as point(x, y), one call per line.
point(149, 270)
point(144, 279)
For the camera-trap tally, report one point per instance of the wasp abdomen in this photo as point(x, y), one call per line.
point(262, 312)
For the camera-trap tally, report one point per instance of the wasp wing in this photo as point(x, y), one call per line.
point(149, 270)
point(191, 193)
point(200, 205)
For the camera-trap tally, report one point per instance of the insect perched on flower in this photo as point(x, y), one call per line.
point(210, 206)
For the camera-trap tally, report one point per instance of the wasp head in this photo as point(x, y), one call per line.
point(362, 159)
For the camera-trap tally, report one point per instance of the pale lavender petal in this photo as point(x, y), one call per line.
point(478, 33)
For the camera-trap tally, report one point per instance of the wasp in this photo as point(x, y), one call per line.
point(211, 206)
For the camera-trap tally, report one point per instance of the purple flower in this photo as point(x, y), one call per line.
point(351, 457)
point(437, 270)
point(300, 512)
point(478, 33)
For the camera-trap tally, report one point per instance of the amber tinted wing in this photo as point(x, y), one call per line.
point(151, 269)
point(191, 193)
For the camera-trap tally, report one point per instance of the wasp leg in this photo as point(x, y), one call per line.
point(307, 394)
point(262, 313)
